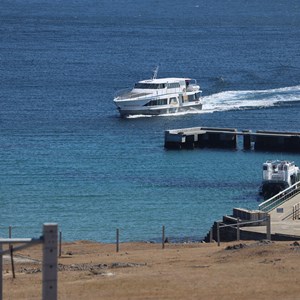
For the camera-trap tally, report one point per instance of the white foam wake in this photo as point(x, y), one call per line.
point(234, 100)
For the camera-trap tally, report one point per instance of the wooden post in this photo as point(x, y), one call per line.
point(60, 241)
point(163, 238)
point(238, 229)
point(1, 276)
point(10, 234)
point(117, 240)
point(11, 249)
point(218, 233)
point(49, 261)
point(268, 227)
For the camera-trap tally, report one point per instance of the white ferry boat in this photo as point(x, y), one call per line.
point(159, 96)
point(277, 176)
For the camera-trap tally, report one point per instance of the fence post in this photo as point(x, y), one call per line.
point(9, 233)
point(268, 227)
point(50, 261)
point(218, 233)
point(117, 240)
point(60, 241)
point(1, 276)
point(11, 248)
point(238, 229)
point(163, 237)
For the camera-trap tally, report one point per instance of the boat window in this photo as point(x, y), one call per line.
point(173, 100)
point(192, 97)
point(153, 86)
point(157, 102)
point(173, 85)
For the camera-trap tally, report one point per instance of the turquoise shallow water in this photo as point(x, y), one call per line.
point(67, 157)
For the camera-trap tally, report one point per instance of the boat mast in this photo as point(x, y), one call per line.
point(155, 71)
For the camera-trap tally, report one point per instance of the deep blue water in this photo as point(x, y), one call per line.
point(66, 155)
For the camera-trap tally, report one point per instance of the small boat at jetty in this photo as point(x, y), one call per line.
point(158, 96)
point(278, 175)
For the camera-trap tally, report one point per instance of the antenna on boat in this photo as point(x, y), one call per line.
point(155, 71)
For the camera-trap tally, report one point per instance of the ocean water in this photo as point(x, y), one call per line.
point(67, 157)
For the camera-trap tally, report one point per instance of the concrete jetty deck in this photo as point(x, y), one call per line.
point(282, 221)
point(202, 137)
point(277, 217)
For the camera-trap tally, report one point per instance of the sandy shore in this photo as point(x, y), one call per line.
point(87, 270)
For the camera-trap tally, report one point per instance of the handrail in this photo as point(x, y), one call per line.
point(280, 198)
point(241, 223)
point(266, 219)
point(125, 94)
point(294, 214)
point(27, 242)
point(120, 94)
point(296, 211)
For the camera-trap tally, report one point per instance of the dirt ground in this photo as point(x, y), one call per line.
point(87, 270)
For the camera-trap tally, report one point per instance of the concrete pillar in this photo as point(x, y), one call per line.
point(50, 251)
point(234, 142)
point(247, 139)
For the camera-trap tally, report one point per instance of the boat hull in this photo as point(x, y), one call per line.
point(271, 188)
point(159, 110)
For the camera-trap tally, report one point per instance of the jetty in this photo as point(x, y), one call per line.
point(210, 137)
point(277, 218)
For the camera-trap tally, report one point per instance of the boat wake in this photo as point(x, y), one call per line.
point(241, 100)
point(233, 100)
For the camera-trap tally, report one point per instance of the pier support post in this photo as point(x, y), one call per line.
point(247, 139)
point(50, 262)
point(268, 228)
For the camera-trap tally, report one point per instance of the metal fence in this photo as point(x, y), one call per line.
point(267, 220)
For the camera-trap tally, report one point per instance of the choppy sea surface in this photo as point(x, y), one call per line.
point(67, 157)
